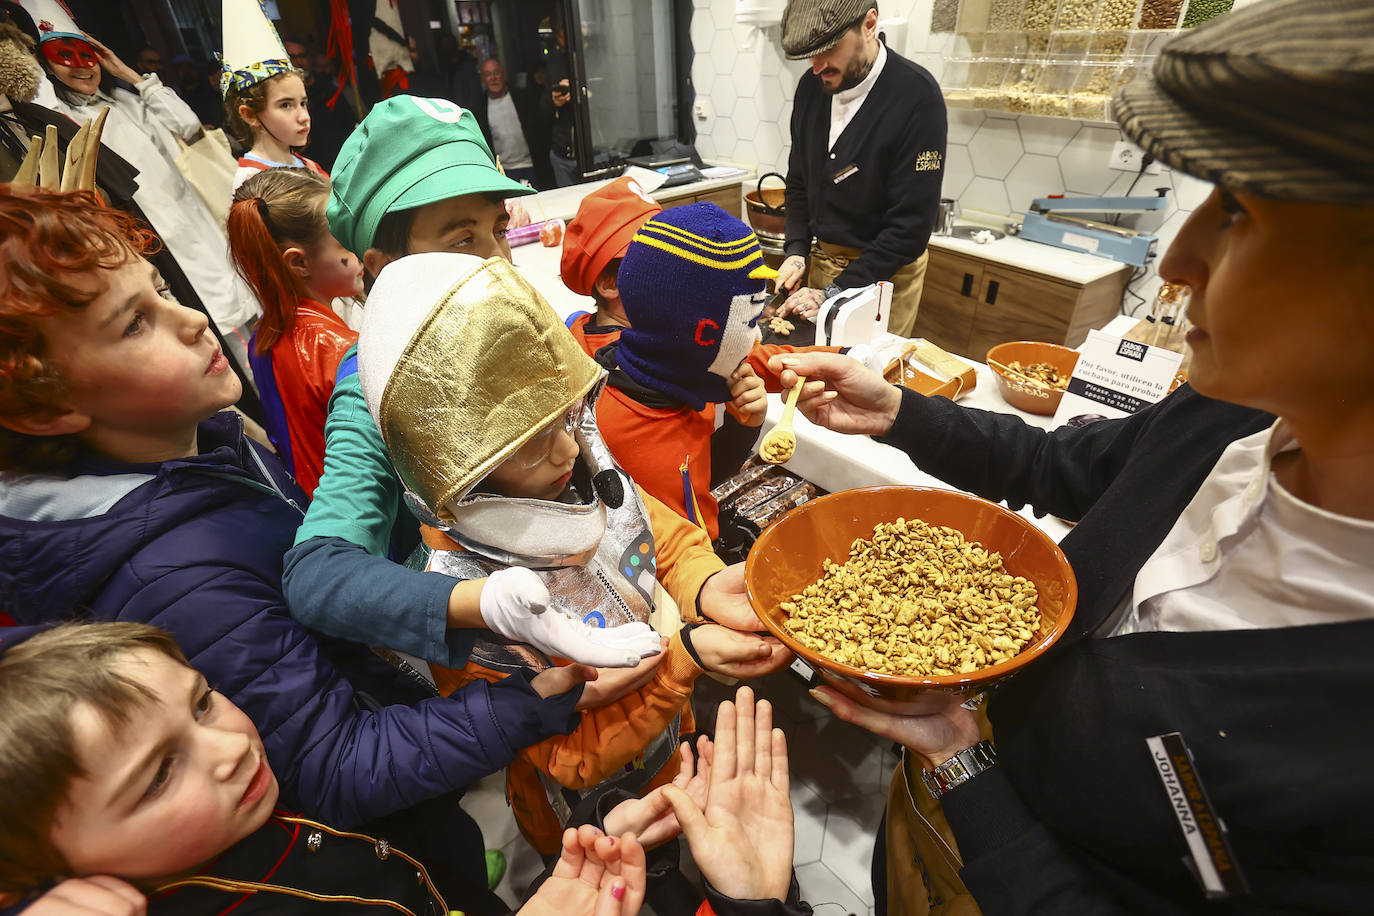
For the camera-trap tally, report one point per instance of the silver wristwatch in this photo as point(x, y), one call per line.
point(959, 769)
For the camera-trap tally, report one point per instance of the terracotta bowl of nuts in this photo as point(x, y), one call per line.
point(893, 593)
point(1039, 373)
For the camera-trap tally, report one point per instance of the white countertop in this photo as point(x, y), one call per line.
point(1073, 266)
point(562, 203)
point(837, 461)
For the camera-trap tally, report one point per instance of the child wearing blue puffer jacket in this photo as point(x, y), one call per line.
point(128, 493)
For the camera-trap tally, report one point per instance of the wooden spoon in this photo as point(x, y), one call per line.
point(777, 447)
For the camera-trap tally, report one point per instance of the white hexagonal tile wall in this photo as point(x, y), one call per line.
point(723, 96)
point(995, 147)
point(963, 123)
point(986, 194)
point(723, 13)
point(1046, 136)
point(1084, 160)
point(1034, 176)
point(706, 145)
point(768, 144)
point(958, 170)
point(702, 31)
point(769, 97)
point(744, 149)
point(703, 77)
point(724, 134)
point(746, 71)
point(1189, 192)
point(724, 51)
point(746, 118)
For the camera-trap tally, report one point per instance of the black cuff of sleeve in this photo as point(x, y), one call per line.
point(729, 906)
point(555, 715)
point(985, 813)
point(907, 426)
point(686, 634)
point(800, 248)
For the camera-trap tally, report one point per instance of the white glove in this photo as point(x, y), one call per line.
point(515, 604)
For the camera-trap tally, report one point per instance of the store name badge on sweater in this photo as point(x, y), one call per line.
point(1115, 378)
point(1210, 857)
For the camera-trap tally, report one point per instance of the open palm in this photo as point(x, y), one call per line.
point(742, 840)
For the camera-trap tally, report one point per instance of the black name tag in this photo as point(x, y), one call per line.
point(1210, 857)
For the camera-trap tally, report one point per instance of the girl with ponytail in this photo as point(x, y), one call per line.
point(281, 246)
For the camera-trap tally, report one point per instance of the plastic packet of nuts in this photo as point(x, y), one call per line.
point(769, 512)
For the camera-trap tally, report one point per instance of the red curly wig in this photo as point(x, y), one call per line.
point(46, 237)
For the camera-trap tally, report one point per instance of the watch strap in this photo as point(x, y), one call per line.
point(959, 769)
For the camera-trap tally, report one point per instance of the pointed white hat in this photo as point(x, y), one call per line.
point(53, 19)
point(253, 51)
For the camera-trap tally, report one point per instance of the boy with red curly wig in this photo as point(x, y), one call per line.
point(127, 493)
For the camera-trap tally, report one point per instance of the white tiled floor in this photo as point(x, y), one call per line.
point(840, 777)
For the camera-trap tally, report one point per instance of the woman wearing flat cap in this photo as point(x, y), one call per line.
point(1199, 739)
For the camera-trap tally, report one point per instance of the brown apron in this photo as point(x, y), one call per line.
point(829, 261)
point(923, 860)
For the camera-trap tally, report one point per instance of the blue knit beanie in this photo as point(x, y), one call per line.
point(692, 285)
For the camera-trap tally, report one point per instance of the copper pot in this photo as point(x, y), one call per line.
point(767, 209)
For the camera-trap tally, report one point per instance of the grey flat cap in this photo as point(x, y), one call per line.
point(1274, 99)
point(811, 27)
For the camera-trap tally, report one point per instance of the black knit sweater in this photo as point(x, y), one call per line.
point(879, 188)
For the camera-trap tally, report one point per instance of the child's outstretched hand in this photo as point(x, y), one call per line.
point(652, 818)
point(742, 838)
point(735, 654)
point(724, 599)
point(596, 875)
point(100, 895)
point(748, 398)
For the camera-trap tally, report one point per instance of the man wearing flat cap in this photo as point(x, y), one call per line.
point(867, 161)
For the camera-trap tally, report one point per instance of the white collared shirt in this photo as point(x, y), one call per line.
point(844, 105)
point(1248, 554)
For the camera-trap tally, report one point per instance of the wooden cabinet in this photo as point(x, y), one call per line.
point(970, 305)
point(730, 198)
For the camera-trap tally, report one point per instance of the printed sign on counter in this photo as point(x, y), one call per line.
point(1115, 377)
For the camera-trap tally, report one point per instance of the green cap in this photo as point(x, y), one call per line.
point(408, 152)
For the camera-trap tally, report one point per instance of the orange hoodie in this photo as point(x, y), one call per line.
point(613, 736)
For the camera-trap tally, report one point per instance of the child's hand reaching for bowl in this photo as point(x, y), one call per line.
point(734, 654)
point(724, 599)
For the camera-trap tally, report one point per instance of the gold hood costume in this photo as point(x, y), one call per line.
point(461, 362)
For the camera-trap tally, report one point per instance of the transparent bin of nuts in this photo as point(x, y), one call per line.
point(973, 17)
point(1018, 89)
point(955, 82)
point(1108, 46)
point(986, 83)
point(1039, 15)
point(1116, 14)
point(1069, 45)
point(1005, 15)
point(1076, 15)
point(1160, 14)
point(1054, 88)
point(1093, 90)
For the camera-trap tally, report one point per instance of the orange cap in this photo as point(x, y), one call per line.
point(601, 231)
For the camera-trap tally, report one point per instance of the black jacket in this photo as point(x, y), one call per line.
point(527, 110)
point(1076, 818)
point(895, 145)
